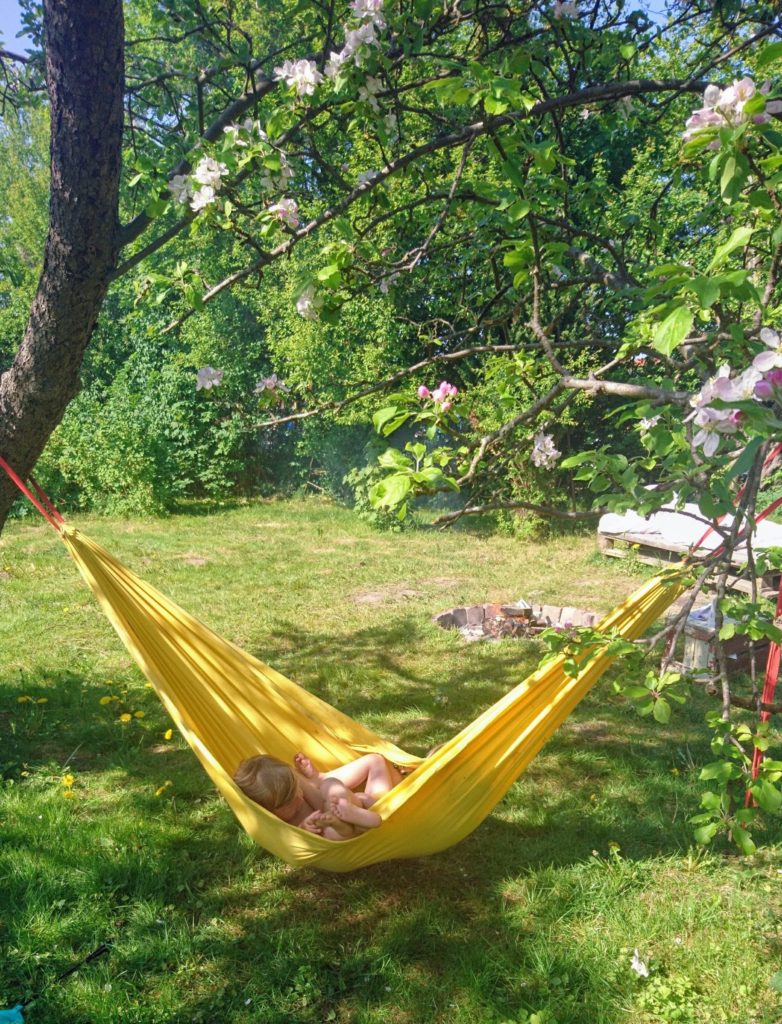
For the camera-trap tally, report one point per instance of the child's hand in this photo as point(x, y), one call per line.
point(314, 823)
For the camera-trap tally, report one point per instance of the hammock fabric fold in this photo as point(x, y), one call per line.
point(229, 706)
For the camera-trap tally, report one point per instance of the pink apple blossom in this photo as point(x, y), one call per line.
point(207, 378)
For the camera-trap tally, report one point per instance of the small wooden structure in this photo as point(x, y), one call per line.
point(654, 550)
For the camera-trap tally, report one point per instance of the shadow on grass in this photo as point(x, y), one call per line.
point(301, 943)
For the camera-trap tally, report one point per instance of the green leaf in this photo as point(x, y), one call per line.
point(707, 290)
point(382, 416)
point(743, 840)
point(673, 330)
point(705, 834)
point(768, 796)
point(745, 461)
point(636, 692)
point(720, 771)
point(662, 711)
point(737, 240)
point(518, 210)
point(392, 491)
point(771, 54)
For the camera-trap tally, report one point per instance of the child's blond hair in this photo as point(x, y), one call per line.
point(268, 781)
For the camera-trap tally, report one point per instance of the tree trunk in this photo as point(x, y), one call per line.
point(85, 81)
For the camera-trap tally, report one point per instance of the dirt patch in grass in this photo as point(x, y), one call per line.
point(396, 592)
point(441, 581)
point(196, 560)
point(597, 731)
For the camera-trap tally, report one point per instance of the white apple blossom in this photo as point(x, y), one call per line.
point(209, 172)
point(208, 378)
point(725, 107)
point(773, 358)
point(286, 211)
point(370, 10)
point(335, 63)
point(240, 132)
point(648, 422)
point(366, 176)
point(544, 454)
point(566, 9)
point(277, 182)
point(355, 38)
point(204, 197)
point(309, 303)
point(179, 187)
point(385, 282)
point(301, 75)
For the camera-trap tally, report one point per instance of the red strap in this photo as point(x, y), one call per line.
point(47, 501)
point(50, 518)
point(775, 451)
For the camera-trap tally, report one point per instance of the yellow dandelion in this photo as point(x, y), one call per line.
point(139, 714)
point(68, 794)
point(168, 734)
point(160, 790)
point(68, 780)
point(24, 774)
point(66, 610)
point(125, 718)
point(675, 771)
point(105, 700)
point(23, 700)
point(614, 846)
point(42, 700)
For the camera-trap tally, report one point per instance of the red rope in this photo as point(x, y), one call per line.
point(52, 517)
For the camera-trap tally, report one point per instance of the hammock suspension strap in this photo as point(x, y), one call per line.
point(42, 502)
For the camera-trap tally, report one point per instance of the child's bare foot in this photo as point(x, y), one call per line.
point(332, 827)
point(364, 799)
point(305, 766)
point(349, 812)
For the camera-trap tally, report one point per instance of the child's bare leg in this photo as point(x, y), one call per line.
point(344, 808)
point(372, 771)
point(334, 828)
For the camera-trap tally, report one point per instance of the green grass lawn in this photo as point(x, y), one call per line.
point(588, 858)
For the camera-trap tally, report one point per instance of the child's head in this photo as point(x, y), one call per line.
point(271, 783)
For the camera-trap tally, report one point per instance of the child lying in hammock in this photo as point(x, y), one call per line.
point(325, 804)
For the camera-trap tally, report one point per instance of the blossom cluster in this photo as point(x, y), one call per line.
point(270, 385)
point(544, 453)
point(442, 396)
point(761, 380)
point(208, 378)
point(725, 108)
point(208, 175)
point(286, 211)
point(565, 9)
point(309, 303)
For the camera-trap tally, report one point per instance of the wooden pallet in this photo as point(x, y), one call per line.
point(659, 552)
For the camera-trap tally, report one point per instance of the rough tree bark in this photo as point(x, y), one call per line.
point(85, 81)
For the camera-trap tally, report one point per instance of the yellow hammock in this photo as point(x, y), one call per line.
point(228, 706)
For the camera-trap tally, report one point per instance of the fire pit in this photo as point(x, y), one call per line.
point(494, 621)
